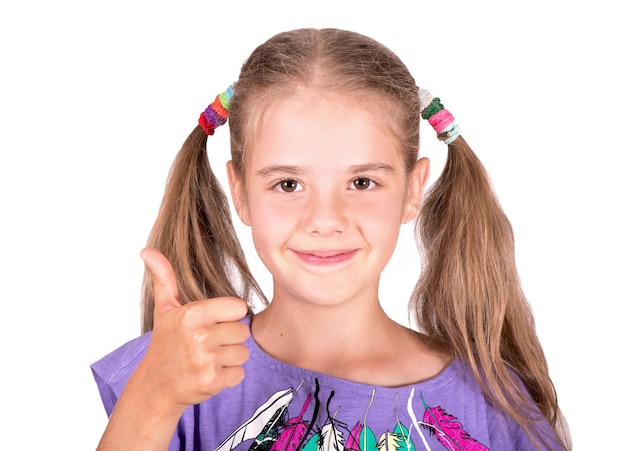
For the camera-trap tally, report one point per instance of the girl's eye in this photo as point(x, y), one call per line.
point(287, 186)
point(363, 183)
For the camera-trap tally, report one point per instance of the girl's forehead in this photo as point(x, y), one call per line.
point(301, 99)
point(369, 109)
point(310, 127)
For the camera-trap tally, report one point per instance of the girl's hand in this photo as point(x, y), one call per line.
point(195, 352)
point(196, 349)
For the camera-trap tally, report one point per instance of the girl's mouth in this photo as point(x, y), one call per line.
point(329, 257)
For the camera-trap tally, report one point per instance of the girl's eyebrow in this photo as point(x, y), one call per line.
point(274, 169)
point(371, 167)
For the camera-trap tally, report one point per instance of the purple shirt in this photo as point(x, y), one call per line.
point(282, 407)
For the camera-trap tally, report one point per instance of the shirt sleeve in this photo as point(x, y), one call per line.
point(112, 372)
point(507, 434)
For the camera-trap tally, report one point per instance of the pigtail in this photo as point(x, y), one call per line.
point(194, 229)
point(469, 298)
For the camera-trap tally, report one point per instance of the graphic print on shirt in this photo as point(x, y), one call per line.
point(448, 429)
point(271, 428)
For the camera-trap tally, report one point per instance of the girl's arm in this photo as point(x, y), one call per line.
point(141, 419)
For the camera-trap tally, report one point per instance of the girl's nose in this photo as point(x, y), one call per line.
point(327, 215)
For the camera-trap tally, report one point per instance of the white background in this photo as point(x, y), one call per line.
point(97, 97)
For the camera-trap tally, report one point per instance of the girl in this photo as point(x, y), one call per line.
point(324, 171)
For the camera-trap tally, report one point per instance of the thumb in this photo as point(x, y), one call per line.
point(163, 280)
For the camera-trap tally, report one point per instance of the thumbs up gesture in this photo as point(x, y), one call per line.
point(196, 349)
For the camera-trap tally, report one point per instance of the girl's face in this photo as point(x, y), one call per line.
point(325, 193)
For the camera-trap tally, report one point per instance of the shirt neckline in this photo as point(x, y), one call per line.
point(270, 363)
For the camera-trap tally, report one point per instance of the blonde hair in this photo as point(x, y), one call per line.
point(468, 297)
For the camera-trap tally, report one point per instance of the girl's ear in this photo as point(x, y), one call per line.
point(415, 189)
point(237, 192)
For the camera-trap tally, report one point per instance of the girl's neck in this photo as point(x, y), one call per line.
point(315, 327)
point(356, 344)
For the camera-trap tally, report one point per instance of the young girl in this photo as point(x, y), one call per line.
point(324, 129)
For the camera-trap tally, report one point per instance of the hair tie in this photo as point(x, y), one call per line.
point(438, 117)
point(217, 112)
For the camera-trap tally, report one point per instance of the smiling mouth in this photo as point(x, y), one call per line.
point(331, 257)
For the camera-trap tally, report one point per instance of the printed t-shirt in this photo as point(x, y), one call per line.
point(282, 407)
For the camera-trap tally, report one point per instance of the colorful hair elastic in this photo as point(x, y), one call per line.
point(438, 117)
point(216, 113)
